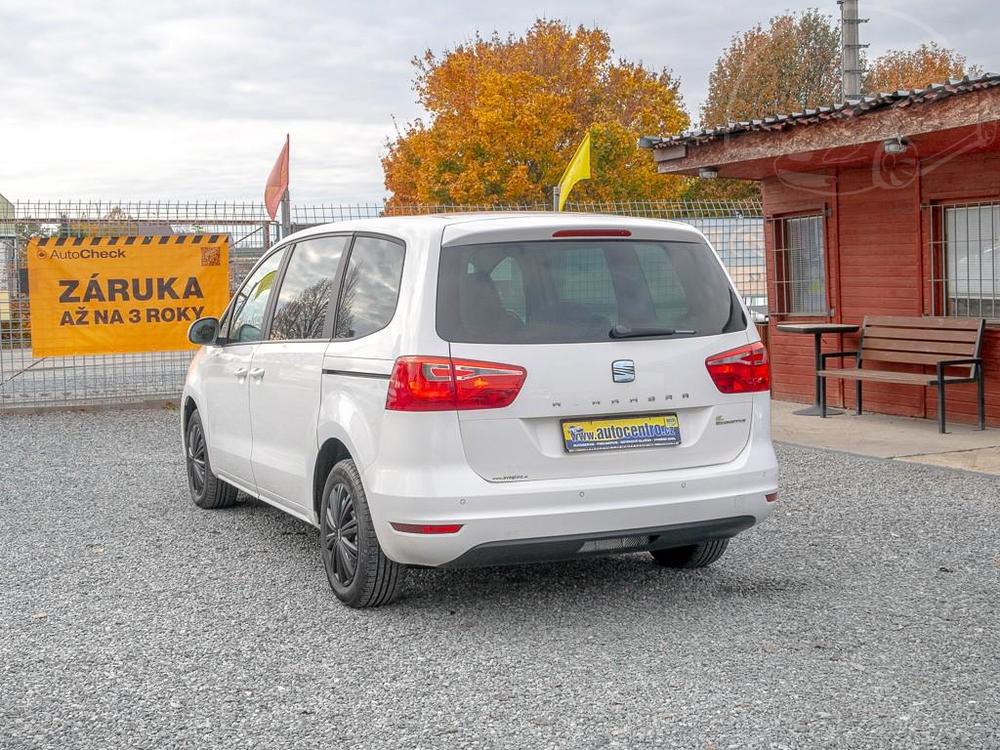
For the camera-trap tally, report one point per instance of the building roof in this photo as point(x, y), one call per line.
point(846, 110)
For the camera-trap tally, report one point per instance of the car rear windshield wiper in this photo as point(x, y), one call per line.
point(624, 332)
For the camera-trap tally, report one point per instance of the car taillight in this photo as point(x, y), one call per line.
point(592, 233)
point(442, 383)
point(741, 370)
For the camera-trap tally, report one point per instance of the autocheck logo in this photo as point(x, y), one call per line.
point(86, 253)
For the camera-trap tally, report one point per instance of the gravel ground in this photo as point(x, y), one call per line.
point(864, 614)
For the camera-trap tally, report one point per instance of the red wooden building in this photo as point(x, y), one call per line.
point(885, 206)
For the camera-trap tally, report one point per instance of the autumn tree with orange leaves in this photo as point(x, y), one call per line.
point(793, 63)
point(789, 65)
point(786, 66)
point(505, 116)
point(915, 69)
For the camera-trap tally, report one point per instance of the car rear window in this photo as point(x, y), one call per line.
point(561, 291)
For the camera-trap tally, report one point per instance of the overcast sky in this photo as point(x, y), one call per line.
point(191, 100)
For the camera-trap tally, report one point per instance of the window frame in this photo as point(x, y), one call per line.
point(345, 264)
point(328, 325)
point(939, 265)
point(782, 275)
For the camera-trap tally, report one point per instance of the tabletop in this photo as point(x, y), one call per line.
point(818, 327)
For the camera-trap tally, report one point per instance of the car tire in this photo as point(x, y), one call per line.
point(692, 556)
point(207, 490)
point(358, 571)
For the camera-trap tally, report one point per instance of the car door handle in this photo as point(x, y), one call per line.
point(239, 373)
point(257, 373)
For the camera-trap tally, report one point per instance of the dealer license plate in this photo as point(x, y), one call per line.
point(616, 433)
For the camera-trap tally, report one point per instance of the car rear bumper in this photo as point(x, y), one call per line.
point(567, 547)
point(516, 521)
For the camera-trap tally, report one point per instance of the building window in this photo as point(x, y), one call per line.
point(965, 263)
point(800, 265)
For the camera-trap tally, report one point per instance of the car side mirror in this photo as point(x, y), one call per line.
point(203, 331)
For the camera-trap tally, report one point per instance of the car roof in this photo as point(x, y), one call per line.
point(489, 221)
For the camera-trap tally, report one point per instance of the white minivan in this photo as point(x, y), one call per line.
point(485, 389)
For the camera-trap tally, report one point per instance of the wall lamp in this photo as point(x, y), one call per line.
point(708, 173)
point(897, 145)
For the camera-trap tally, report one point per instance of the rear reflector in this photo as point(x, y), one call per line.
point(741, 370)
point(592, 233)
point(427, 528)
point(771, 497)
point(443, 384)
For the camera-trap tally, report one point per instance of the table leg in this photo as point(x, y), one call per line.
point(816, 410)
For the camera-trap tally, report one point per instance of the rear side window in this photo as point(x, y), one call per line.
point(371, 287)
point(560, 291)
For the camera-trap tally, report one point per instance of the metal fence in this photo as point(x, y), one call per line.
point(736, 229)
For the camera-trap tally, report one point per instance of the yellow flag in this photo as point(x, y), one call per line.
point(578, 169)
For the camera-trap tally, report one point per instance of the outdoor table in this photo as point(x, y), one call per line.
point(817, 330)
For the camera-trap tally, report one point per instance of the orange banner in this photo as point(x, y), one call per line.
point(112, 295)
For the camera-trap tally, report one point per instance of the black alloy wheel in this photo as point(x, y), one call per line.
point(207, 490)
point(196, 457)
point(340, 535)
point(358, 571)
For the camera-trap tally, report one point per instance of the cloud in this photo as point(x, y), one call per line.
point(191, 100)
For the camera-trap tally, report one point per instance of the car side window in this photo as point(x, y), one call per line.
point(247, 317)
point(303, 302)
point(371, 287)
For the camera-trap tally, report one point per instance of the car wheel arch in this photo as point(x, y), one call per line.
point(190, 407)
point(330, 453)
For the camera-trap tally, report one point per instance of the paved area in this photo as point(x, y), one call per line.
point(863, 615)
point(884, 436)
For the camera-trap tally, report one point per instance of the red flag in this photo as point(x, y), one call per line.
point(277, 182)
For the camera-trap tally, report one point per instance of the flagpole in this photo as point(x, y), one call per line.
point(286, 199)
point(286, 214)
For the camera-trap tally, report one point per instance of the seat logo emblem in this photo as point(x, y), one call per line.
point(623, 371)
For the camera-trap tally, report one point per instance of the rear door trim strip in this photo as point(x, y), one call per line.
point(357, 374)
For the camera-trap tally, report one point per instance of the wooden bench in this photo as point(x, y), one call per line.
point(950, 345)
